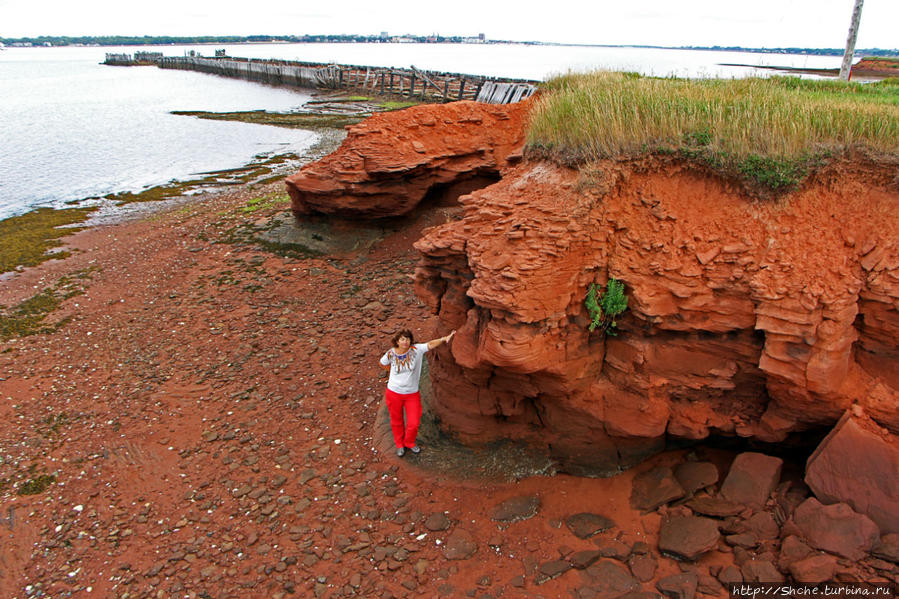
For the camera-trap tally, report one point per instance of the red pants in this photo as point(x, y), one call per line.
point(404, 431)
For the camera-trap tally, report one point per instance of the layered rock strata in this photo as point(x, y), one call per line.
point(391, 161)
point(746, 318)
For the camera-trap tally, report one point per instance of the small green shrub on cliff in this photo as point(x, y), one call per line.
point(603, 307)
point(769, 133)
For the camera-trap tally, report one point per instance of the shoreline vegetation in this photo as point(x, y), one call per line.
point(332, 113)
point(31, 238)
point(768, 133)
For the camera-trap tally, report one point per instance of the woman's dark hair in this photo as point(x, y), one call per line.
point(404, 333)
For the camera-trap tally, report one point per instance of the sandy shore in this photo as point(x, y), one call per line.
point(203, 423)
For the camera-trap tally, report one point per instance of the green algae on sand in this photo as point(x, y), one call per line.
point(258, 171)
point(29, 317)
point(293, 120)
point(26, 239)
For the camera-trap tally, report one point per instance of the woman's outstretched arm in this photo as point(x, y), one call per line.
point(441, 340)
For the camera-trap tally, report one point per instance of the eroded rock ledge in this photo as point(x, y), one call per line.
point(746, 318)
point(389, 162)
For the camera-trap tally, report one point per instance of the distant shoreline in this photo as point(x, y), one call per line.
point(870, 69)
point(117, 41)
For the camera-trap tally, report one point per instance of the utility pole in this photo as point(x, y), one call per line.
point(850, 41)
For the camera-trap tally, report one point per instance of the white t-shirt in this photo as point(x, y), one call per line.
point(405, 369)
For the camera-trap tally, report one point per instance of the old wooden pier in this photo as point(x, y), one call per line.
point(427, 86)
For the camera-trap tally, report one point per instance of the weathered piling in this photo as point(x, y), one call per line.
point(413, 83)
point(126, 60)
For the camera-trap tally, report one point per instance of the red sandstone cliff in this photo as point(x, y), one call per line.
point(746, 317)
point(876, 67)
point(389, 162)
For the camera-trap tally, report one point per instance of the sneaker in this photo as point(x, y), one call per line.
point(415, 449)
point(400, 451)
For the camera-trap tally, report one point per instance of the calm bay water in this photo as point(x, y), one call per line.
point(71, 128)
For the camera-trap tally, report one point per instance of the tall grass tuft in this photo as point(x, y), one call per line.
point(767, 131)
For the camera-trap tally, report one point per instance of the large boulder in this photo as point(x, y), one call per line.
point(688, 537)
point(836, 528)
point(858, 463)
point(751, 479)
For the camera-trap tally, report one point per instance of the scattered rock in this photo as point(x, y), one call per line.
point(655, 488)
point(694, 476)
point(709, 585)
point(516, 508)
point(792, 549)
point(730, 575)
point(760, 571)
point(643, 567)
point(836, 528)
point(612, 548)
point(209, 571)
point(815, 569)
point(610, 579)
point(641, 594)
point(584, 559)
point(679, 586)
point(714, 506)
point(437, 521)
point(887, 548)
point(763, 526)
point(688, 537)
point(751, 479)
point(550, 570)
point(585, 525)
point(747, 540)
point(460, 545)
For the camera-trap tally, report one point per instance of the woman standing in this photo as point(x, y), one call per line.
point(404, 360)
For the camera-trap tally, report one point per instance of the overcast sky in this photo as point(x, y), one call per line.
point(757, 23)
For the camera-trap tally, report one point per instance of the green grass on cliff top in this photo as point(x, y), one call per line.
point(768, 131)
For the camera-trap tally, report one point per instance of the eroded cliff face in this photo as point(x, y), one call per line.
point(746, 318)
point(389, 162)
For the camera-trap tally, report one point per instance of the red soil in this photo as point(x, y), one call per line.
point(198, 385)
